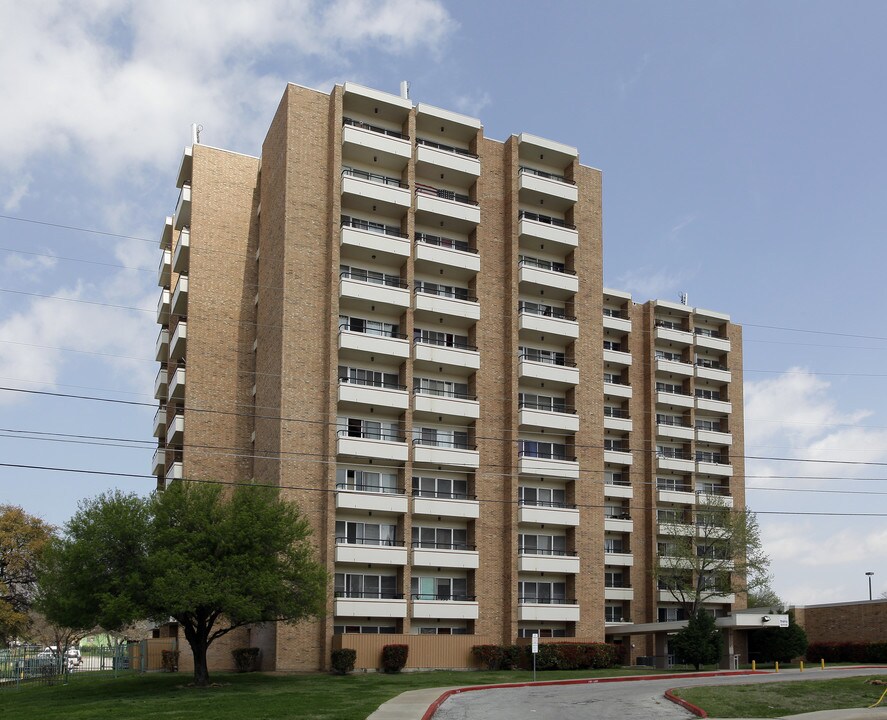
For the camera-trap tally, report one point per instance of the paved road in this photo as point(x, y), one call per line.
point(641, 700)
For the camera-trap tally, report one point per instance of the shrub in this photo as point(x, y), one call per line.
point(169, 660)
point(343, 660)
point(488, 656)
point(394, 657)
point(511, 656)
point(847, 652)
point(246, 659)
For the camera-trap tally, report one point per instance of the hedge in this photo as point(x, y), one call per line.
point(551, 656)
point(847, 652)
point(394, 657)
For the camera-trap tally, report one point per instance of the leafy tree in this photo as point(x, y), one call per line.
point(715, 551)
point(23, 538)
point(699, 643)
point(778, 644)
point(763, 597)
point(212, 560)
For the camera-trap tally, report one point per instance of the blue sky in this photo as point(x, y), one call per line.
point(742, 146)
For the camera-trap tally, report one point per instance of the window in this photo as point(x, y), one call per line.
point(708, 362)
point(551, 357)
point(710, 488)
point(616, 512)
point(373, 430)
point(669, 324)
point(535, 308)
point(666, 355)
point(442, 438)
point(366, 481)
point(542, 402)
point(542, 497)
point(672, 483)
point(371, 378)
point(450, 291)
point(352, 585)
point(668, 451)
point(613, 545)
point(360, 533)
point(672, 420)
point(670, 614)
point(539, 263)
point(667, 549)
point(615, 411)
point(440, 488)
point(669, 388)
point(710, 425)
point(708, 394)
point(615, 579)
point(442, 388)
point(617, 444)
point(370, 276)
point(707, 332)
point(546, 632)
point(616, 478)
point(613, 613)
point(670, 516)
point(542, 544)
point(444, 339)
point(435, 588)
point(442, 630)
point(613, 378)
point(542, 592)
point(370, 327)
point(440, 538)
point(364, 629)
point(536, 449)
point(711, 457)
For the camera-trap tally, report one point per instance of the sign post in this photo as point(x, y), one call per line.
point(535, 649)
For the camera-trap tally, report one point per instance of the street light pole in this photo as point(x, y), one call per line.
point(870, 583)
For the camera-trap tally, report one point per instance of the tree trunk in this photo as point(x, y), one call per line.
point(197, 637)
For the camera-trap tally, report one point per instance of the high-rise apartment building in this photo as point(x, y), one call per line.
point(402, 324)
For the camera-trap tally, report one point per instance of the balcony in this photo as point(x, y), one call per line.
point(618, 523)
point(463, 166)
point(619, 422)
point(183, 208)
point(164, 269)
point(161, 346)
point(444, 609)
point(364, 239)
point(365, 190)
point(163, 307)
point(673, 431)
point(371, 500)
point(361, 393)
point(160, 422)
point(179, 304)
point(175, 472)
point(160, 384)
point(542, 275)
point(617, 357)
point(182, 255)
point(355, 344)
point(445, 555)
point(716, 406)
point(356, 606)
point(622, 559)
point(676, 497)
point(617, 457)
point(675, 529)
point(166, 234)
point(719, 469)
point(454, 207)
point(461, 312)
point(714, 437)
point(618, 490)
point(428, 402)
point(616, 322)
point(532, 415)
point(429, 452)
point(175, 431)
point(565, 374)
point(446, 507)
point(676, 400)
point(362, 141)
point(564, 563)
point(548, 515)
point(617, 390)
point(179, 341)
point(366, 552)
point(665, 333)
point(710, 340)
point(618, 593)
point(716, 499)
point(535, 229)
point(674, 367)
point(378, 446)
point(677, 462)
point(459, 357)
point(556, 191)
point(177, 384)
point(455, 257)
point(360, 290)
point(548, 467)
point(158, 462)
point(549, 610)
point(548, 323)
point(716, 374)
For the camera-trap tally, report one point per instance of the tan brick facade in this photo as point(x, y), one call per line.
point(857, 622)
point(388, 294)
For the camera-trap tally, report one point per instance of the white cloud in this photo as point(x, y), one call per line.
point(27, 266)
point(17, 191)
point(119, 84)
point(646, 283)
point(472, 103)
point(626, 84)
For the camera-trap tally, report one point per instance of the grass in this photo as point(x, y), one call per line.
point(789, 698)
point(256, 695)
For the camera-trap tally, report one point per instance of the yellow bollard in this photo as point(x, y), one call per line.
point(802, 666)
point(822, 662)
point(777, 666)
point(754, 665)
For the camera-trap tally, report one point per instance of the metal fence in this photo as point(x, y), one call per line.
point(35, 665)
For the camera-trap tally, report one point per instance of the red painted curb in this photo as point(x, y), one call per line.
point(685, 704)
point(429, 713)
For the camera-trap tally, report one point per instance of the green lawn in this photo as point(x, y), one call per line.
point(787, 698)
point(256, 696)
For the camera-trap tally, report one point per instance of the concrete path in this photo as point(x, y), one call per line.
point(640, 698)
